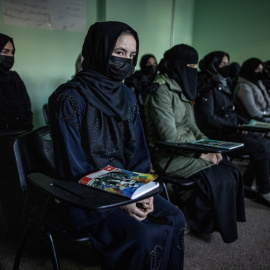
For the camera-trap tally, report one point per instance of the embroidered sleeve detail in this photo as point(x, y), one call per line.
point(69, 109)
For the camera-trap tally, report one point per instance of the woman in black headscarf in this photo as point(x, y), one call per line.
point(251, 96)
point(215, 112)
point(95, 122)
point(15, 116)
point(218, 202)
point(15, 106)
point(141, 82)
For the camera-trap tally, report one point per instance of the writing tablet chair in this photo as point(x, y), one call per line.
point(35, 164)
point(180, 183)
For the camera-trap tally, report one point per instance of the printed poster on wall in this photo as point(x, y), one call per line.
point(66, 15)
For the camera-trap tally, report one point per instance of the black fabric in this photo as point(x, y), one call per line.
point(120, 68)
point(199, 210)
point(97, 49)
point(266, 79)
point(247, 70)
point(174, 64)
point(141, 82)
point(234, 74)
point(209, 67)
point(145, 68)
point(214, 109)
point(15, 106)
point(4, 39)
point(108, 107)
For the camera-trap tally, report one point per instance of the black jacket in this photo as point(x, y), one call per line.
point(214, 109)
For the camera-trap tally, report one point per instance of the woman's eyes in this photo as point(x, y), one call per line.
point(124, 54)
point(119, 52)
point(7, 52)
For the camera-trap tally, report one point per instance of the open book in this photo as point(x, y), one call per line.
point(258, 124)
point(121, 182)
point(217, 144)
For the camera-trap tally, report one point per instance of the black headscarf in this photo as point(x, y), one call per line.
point(94, 82)
point(145, 58)
point(210, 65)
point(174, 64)
point(247, 70)
point(12, 89)
point(4, 39)
point(144, 67)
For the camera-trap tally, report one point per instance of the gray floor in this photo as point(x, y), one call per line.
point(249, 252)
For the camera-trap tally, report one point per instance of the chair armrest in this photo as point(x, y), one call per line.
point(188, 147)
point(247, 128)
point(82, 196)
point(13, 132)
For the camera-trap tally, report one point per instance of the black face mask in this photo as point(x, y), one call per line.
point(259, 75)
point(149, 70)
point(120, 68)
point(6, 62)
point(224, 72)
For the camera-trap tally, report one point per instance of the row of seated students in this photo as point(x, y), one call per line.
point(215, 110)
point(95, 122)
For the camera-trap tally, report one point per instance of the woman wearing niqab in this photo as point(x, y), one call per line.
point(218, 203)
point(95, 122)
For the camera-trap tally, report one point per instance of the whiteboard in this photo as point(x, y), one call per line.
point(66, 15)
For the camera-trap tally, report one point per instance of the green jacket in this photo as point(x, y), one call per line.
point(170, 118)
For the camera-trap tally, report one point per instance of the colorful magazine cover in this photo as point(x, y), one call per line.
point(121, 182)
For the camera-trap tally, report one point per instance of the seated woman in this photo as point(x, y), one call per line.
point(95, 122)
point(141, 82)
point(15, 106)
point(15, 115)
point(214, 112)
point(250, 95)
point(218, 203)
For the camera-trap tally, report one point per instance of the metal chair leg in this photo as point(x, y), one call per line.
point(165, 190)
point(56, 264)
point(21, 247)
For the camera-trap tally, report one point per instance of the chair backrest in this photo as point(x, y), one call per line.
point(45, 110)
point(34, 153)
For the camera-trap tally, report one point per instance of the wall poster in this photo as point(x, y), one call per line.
point(66, 15)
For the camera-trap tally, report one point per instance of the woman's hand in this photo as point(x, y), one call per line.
point(141, 209)
point(243, 132)
point(212, 157)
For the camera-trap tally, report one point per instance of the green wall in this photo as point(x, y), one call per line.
point(46, 58)
point(239, 27)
